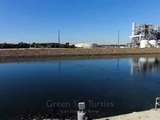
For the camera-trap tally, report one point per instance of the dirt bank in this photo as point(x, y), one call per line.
point(76, 52)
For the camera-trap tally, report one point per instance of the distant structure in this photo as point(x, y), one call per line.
point(145, 35)
point(86, 45)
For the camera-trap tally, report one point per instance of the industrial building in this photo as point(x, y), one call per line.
point(145, 35)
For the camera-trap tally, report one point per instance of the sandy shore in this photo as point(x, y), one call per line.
point(61, 52)
point(144, 115)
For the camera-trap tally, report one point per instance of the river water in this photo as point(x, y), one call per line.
point(54, 87)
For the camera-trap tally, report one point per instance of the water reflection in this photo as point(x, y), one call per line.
point(143, 65)
point(59, 66)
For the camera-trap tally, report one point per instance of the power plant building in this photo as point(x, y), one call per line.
point(145, 35)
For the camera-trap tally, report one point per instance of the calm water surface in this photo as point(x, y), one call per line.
point(108, 86)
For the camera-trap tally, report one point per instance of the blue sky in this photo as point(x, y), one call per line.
point(95, 21)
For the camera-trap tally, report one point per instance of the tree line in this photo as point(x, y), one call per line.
point(35, 45)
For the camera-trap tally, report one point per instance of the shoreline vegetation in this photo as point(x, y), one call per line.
point(70, 52)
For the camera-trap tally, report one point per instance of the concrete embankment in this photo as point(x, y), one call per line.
point(76, 52)
point(145, 115)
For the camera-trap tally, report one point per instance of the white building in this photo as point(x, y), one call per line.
point(86, 45)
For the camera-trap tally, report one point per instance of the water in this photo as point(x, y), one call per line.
point(108, 86)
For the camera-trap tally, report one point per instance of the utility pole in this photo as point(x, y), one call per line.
point(118, 37)
point(59, 36)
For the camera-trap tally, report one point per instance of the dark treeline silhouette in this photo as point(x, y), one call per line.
point(36, 45)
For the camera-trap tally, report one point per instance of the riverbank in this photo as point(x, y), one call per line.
point(64, 52)
point(144, 115)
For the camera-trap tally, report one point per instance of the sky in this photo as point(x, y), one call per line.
point(80, 21)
